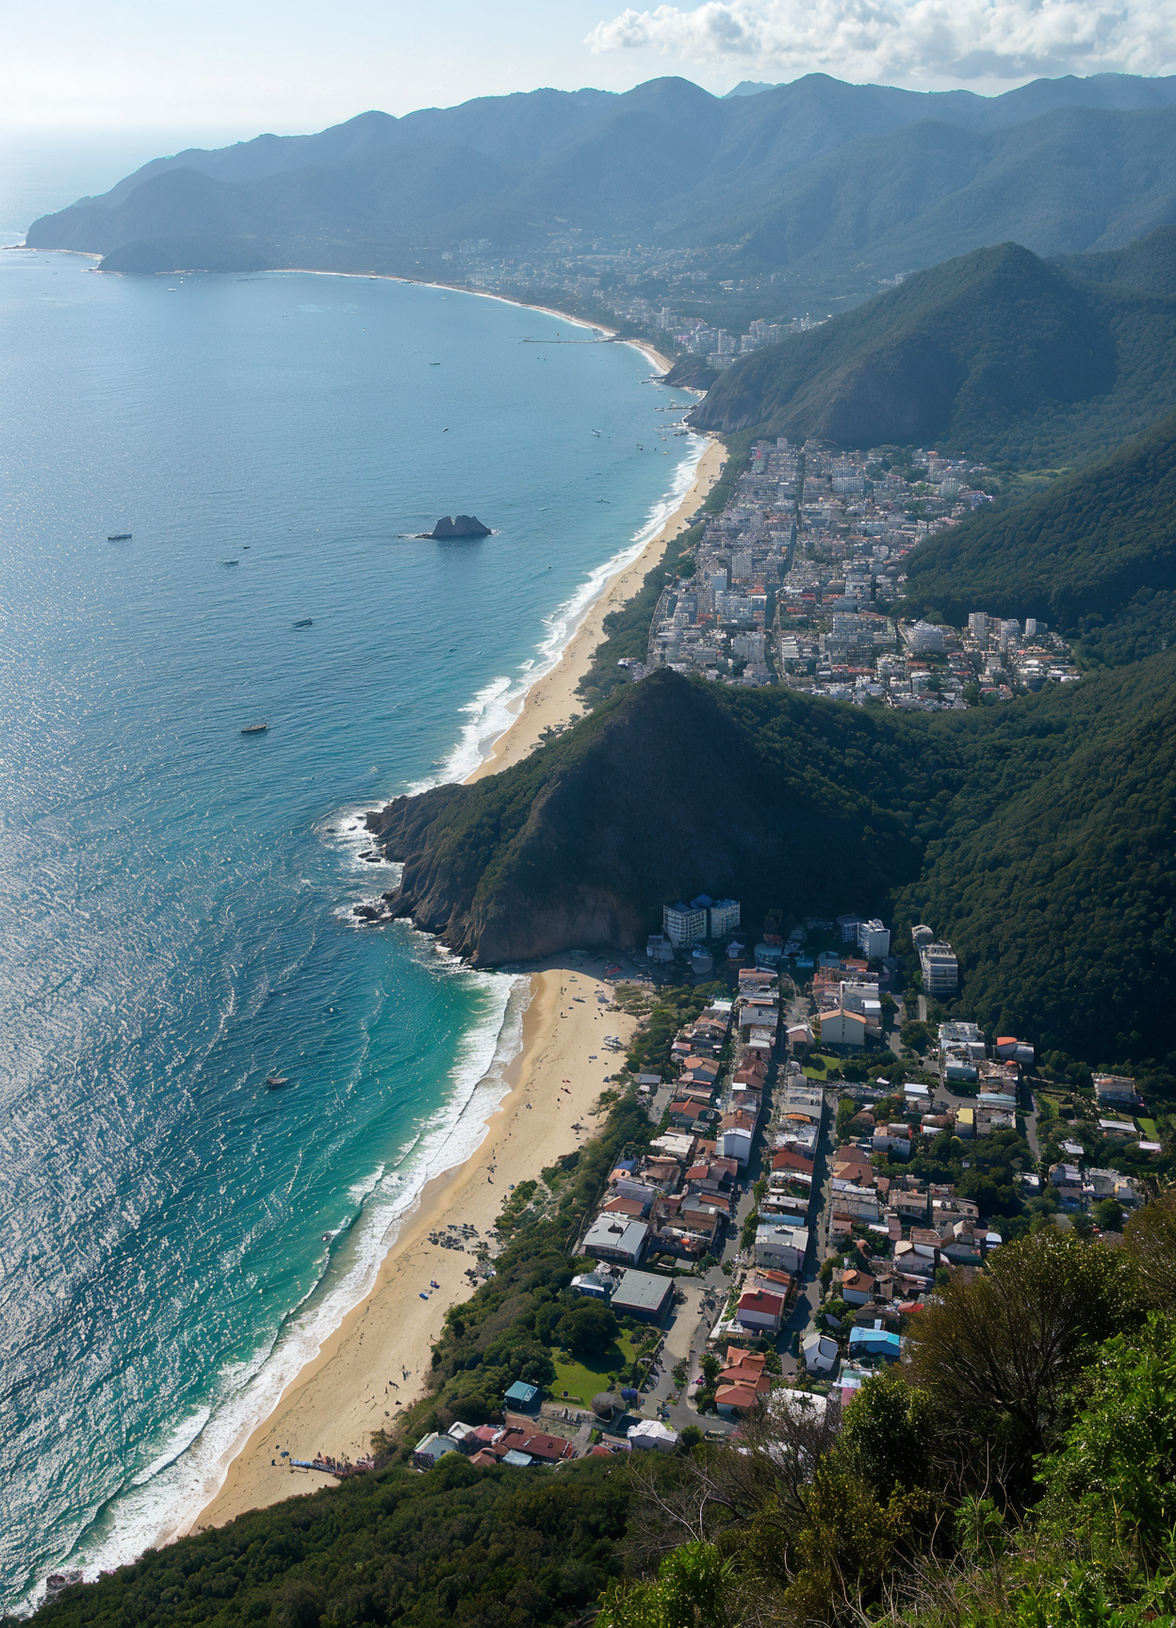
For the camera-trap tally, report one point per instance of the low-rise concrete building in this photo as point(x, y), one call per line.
point(643, 1295)
point(781, 1246)
point(612, 1238)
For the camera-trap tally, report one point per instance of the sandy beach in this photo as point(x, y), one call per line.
point(552, 699)
point(373, 1364)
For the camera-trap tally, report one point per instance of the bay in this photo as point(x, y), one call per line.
point(174, 1237)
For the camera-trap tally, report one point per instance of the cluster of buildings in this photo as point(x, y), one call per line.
point(796, 580)
point(892, 1233)
point(1079, 1185)
point(1119, 1116)
point(690, 926)
point(629, 283)
point(677, 1200)
point(718, 347)
point(514, 1444)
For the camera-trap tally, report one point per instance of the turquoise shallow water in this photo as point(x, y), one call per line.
point(173, 1237)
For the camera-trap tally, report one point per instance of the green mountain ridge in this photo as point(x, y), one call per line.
point(999, 355)
point(1094, 555)
point(1041, 825)
point(798, 176)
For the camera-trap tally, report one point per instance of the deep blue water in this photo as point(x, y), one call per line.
point(176, 896)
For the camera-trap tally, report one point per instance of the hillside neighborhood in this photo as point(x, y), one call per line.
point(824, 1162)
point(798, 581)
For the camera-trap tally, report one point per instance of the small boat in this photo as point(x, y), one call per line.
point(275, 1082)
point(119, 537)
point(254, 729)
point(230, 562)
point(307, 621)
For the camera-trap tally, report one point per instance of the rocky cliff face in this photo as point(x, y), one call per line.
point(663, 792)
point(462, 525)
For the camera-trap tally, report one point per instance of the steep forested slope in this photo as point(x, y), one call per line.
point(1096, 553)
point(1067, 181)
point(1148, 263)
point(997, 354)
point(1034, 835)
point(814, 176)
point(672, 788)
point(1061, 899)
point(460, 1546)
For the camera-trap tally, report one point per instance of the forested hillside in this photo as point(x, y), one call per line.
point(671, 787)
point(1149, 263)
point(1095, 554)
point(1019, 1464)
point(1033, 835)
point(998, 355)
point(811, 177)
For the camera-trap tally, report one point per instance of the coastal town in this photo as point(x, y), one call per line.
point(682, 298)
point(829, 1151)
point(798, 581)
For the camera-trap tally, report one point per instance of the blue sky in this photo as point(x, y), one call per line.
point(241, 66)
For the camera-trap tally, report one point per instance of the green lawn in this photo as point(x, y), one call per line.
point(1148, 1127)
point(582, 1380)
point(817, 1068)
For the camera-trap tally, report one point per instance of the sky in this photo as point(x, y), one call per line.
point(239, 67)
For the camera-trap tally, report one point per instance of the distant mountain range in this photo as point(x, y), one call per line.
point(999, 354)
point(812, 175)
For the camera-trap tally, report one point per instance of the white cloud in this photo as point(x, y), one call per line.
point(903, 39)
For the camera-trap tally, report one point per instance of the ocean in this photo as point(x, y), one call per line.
point(177, 896)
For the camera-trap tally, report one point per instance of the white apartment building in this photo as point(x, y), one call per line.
point(683, 925)
point(941, 973)
point(724, 917)
point(873, 940)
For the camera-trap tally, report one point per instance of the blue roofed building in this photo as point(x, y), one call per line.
point(522, 1398)
point(874, 1342)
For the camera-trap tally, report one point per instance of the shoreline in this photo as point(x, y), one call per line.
point(374, 1362)
point(613, 335)
point(372, 1366)
point(553, 696)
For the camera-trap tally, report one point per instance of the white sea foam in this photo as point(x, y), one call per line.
point(193, 1459)
point(495, 707)
point(191, 1463)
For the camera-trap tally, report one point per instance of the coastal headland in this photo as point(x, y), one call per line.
point(375, 1362)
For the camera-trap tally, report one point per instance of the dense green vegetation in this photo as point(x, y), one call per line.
point(1037, 836)
point(667, 789)
point(1149, 262)
point(458, 1545)
point(1019, 1469)
point(998, 355)
point(1095, 554)
point(816, 177)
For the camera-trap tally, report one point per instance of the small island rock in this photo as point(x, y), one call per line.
point(462, 525)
